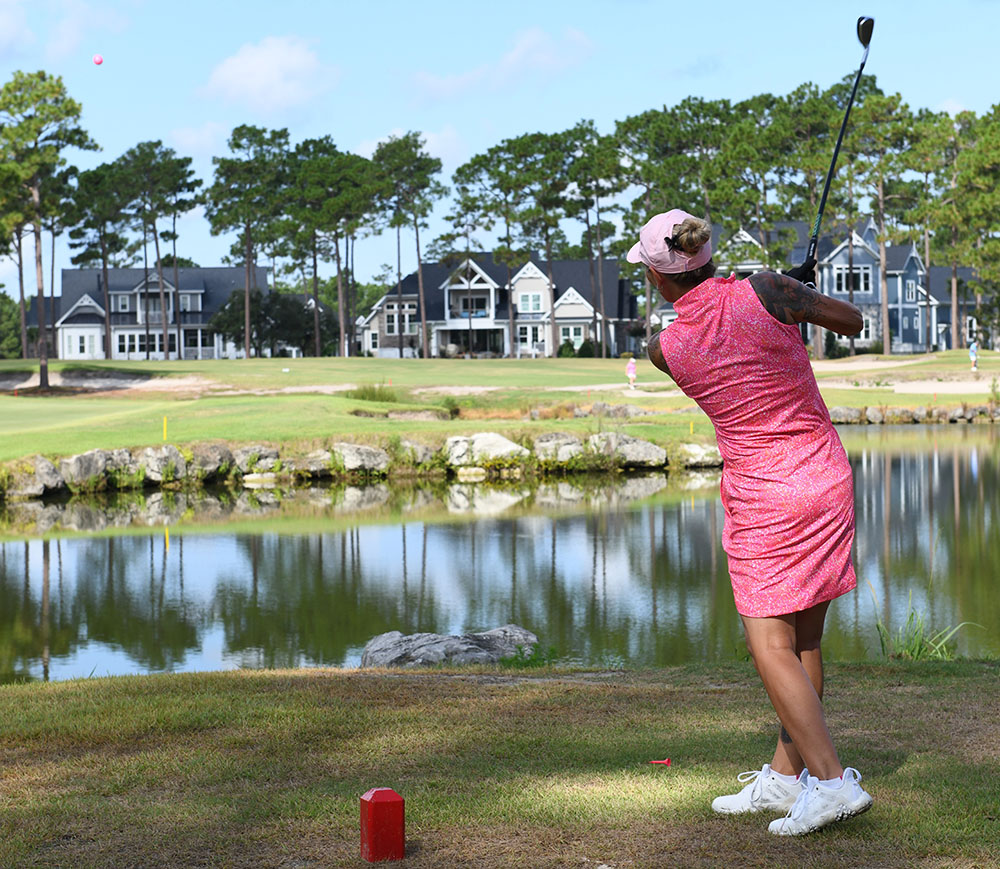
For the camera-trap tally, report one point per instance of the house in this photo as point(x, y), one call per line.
point(78, 317)
point(472, 306)
point(916, 299)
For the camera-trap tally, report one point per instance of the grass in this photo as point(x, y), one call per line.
point(539, 768)
point(61, 424)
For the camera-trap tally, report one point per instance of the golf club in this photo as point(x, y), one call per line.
point(865, 26)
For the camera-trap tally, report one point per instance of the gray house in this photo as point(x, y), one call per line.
point(471, 306)
point(136, 316)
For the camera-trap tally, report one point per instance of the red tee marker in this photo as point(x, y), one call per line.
point(666, 762)
point(382, 836)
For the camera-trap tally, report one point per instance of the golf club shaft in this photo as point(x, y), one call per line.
point(814, 240)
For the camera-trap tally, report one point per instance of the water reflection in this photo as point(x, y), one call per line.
point(645, 583)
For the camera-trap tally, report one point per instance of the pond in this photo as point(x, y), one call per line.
point(604, 576)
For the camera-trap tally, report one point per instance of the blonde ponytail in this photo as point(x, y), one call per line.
point(692, 234)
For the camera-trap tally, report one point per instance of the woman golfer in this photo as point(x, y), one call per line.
point(786, 491)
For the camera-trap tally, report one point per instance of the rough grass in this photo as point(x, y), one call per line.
point(497, 769)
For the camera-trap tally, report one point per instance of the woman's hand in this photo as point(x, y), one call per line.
point(790, 302)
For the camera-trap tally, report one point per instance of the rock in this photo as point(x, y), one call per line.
point(631, 452)
point(956, 415)
point(874, 416)
point(85, 470)
point(41, 479)
point(699, 456)
point(599, 408)
point(557, 447)
point(996, 414)
point(393, 649)
point(260, 481)
point(846, 415)
point(470, 474)
point(210, 461)
point(419, 454)
point(939, 414)
point(47, 475)
point(484, 446)
point(920, 414)
point(977, 410)
point(356, 457)
point(899, 416)
point(580, 413)
point(255, 458)
point(318, 463)
point(163, 464)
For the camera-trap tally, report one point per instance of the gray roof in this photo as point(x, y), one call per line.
point(565, 274)
point(941, 282)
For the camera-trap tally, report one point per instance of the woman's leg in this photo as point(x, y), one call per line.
point(808, 635)
point(785, 651)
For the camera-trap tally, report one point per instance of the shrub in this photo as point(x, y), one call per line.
point(586, 349)
point(832, 347)
point(566, 350)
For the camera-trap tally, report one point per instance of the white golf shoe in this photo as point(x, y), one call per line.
point(765, 792)
point(818, 805)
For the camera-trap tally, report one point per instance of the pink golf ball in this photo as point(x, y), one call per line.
point(98, 59)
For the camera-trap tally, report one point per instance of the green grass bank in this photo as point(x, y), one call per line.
point(498, 768)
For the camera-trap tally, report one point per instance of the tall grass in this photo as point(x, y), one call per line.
point(373, 392)
point(913, 640)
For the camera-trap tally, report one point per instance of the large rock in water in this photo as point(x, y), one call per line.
point(557, 447)
point(481, 447)
point(86, 469)
point(356, 457)
point(630, 452)
point(393, 649)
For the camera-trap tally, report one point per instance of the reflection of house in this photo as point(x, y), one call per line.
point(913, 301)
point(469, 309)
point(136, 315)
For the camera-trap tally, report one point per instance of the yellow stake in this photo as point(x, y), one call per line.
point(164, 428)
point(166, 538)
point(692, 429)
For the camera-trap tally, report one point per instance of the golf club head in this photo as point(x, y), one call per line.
point(865, 26)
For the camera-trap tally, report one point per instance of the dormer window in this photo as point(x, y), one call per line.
point(123, 303)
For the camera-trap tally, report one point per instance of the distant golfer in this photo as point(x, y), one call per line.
point(974, 355)
point(630, 372)
point(786, 491)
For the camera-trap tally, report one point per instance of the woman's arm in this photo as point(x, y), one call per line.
point(790, 302)
point(655, 354)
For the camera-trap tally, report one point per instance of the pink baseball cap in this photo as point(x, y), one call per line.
point(653, 249)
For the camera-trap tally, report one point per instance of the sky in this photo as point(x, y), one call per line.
point(464, 75)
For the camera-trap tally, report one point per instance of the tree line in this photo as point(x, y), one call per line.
point(922, 176)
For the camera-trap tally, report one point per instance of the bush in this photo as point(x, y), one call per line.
point(832, 347)
point(566, 350)
point(586, 349)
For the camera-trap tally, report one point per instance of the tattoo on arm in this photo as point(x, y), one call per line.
point(655, 353)
point(785, 299)
point(785, 738)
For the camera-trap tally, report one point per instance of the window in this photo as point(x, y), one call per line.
point(131, 343)
point(123, 303)
point(185, 302)
point(477, 304)
point(83, 344)
point(862, 279)
point(407, 318)
point(530, 302)
point(573, 334)
point(522, 334)
point(970, 329)
point(906, 322)
point(121, 343)
point(373, 339)
point(142, 342)
point(90, 344)
point(911, 291)
point(390, 323)
point(866, 330)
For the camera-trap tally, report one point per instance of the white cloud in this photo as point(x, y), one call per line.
point(279, 72)
point(951, 106)
point(206, 140)
point(75, 20)
point(14, 31)
point(535, 52)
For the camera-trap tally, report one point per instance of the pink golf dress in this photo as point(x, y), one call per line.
point(786, 482)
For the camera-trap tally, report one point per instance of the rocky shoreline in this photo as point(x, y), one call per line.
point(463, 458)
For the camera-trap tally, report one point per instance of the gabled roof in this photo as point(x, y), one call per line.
point(940, 282)
point(216, 283)
point(565, 274)
point(78, 313)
